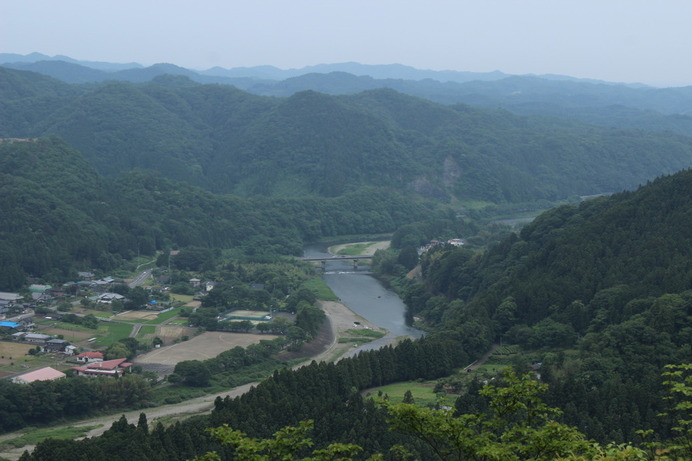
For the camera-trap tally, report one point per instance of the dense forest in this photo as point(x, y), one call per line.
point(54, 224)
point(608, 283)
point(301, 168)
point(227, 140)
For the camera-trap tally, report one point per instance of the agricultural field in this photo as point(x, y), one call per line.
point(169, 333)
point(96, 313)
point(202, 347)
point(11, 350)
point(163, 316)
point(147, 332)
point(111, 332)
point(70, 333)
point(15, 358)
point(136, 316)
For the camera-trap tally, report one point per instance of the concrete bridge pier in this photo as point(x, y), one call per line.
point(324, 265)
point(355, 264)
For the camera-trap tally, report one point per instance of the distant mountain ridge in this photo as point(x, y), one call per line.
point(274, 73)
point(231, 141)
point(36, 57)
point(587, 100)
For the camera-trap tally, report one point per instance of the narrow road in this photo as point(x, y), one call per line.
point(140, 279)
point(483, 359)
point(135, 329)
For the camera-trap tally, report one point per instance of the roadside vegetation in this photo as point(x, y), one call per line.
point(34, 435)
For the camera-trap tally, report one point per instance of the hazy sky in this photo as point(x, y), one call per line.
point(616, 40)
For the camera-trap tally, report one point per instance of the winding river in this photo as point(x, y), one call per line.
point(367, 297)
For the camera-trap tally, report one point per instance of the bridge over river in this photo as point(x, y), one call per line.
point(323, 259)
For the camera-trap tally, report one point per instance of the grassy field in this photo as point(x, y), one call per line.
point(34, 436)
point(354, 249)
point(178, 321)
point(146, 330)
point(423, 392)
point(202, 347)
point(164, 316)
point(182, 298)
point(474, 204)
point(321, 290)
point(95, 313)
point(112, 332)
point(13, 350)
point(15, 360)
point(360, 336)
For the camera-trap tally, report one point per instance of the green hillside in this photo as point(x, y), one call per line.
point(601, 293)
point(229, 141)
point(60, 216)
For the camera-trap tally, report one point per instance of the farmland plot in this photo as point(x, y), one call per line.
point(202, 347)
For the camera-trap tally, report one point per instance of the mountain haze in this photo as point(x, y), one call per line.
point(231, 141)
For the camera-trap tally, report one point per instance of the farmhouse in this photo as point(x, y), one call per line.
point(114, 368)
point(7, 300)
point(89, 357)
point(42, 374)
point(11, 297)
point(36, 288)
point(37, 338)
point(108, 298)
point(56, 345)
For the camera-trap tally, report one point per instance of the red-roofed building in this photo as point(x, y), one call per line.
point(115, 367)
point(42, 374)
point(89, 357)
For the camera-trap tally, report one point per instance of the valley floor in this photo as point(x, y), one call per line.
point(340, 319)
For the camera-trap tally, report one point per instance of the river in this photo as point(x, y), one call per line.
point(367, 297)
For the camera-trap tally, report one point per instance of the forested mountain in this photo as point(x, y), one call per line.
point(608, 283)
point(634, 243)
point(227, 140)
point(60, 216)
